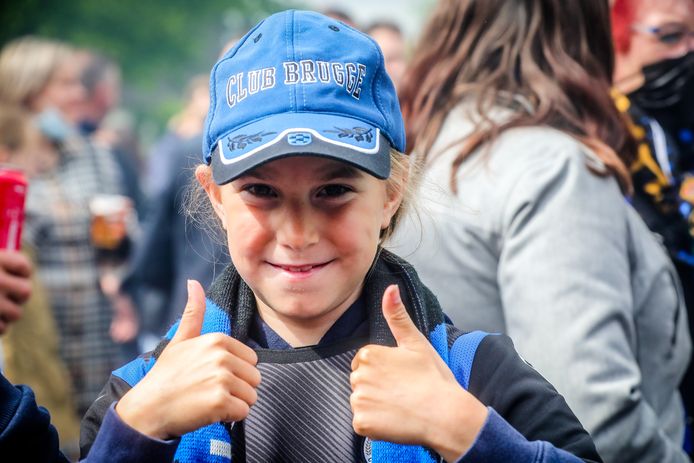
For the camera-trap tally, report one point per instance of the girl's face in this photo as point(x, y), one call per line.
point(303, 232)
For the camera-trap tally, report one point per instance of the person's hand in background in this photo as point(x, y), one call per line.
point(15, 286)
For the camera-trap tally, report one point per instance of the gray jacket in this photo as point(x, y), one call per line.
point(536, 246)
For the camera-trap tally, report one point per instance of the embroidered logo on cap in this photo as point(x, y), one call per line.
point(357, 133)
point(299, 138)
point(241, 141)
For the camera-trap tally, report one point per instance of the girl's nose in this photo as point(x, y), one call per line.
point(298, 230)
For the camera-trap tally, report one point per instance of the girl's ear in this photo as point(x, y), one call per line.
point(203, 174)
point(395, 188)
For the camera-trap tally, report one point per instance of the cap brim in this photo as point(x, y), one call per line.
point(292, 134)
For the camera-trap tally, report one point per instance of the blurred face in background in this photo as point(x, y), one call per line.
point(105, 97)
point(199, 102)
point(393, 47)
point(63, 91)
point(661, 30)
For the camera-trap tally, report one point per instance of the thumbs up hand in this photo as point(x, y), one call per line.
point(197, 380)
point(408, 395)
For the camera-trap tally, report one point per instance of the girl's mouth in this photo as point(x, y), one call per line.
point(300, 270)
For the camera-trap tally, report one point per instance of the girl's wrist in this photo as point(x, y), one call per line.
point(460, 419)
point(137, 417)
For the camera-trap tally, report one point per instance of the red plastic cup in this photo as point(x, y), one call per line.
point(13, 189)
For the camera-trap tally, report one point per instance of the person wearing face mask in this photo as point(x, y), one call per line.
point(40, 76)
point(654, 85)
point(655, 64)
point(30, 343)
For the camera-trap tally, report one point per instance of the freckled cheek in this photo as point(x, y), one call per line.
point(355, 235)
point(248, 238)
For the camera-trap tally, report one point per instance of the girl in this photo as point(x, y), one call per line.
point(316, 345)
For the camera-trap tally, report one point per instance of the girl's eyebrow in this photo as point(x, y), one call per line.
point(255, 174)
point(347, 172)
point(342, 171)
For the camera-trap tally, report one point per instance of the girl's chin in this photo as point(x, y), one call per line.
point(304, 307)
point(300, 310)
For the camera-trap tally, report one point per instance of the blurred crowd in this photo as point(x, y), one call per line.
point(513, 227)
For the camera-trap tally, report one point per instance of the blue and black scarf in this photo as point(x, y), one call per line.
point(230, 309)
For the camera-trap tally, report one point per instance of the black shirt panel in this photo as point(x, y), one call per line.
point(501, 379)
point(114, 389)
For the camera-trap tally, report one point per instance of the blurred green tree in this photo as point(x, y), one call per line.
point(159, 44)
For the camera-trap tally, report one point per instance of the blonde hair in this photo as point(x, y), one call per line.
point(399, 183)
point(27, 65)
point(14, 123)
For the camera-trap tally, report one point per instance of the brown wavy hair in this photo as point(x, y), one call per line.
point(556, 55)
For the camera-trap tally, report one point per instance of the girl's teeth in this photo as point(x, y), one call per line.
point(299, 269)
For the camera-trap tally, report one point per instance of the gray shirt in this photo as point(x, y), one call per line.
point(537, 246)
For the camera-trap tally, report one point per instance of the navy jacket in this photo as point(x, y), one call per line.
point(26, 434)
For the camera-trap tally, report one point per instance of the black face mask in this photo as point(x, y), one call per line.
point(665, 83)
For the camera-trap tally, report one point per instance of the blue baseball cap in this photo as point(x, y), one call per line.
point(300, 83)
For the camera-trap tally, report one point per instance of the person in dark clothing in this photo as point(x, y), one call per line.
point(23, 424)
point(107, 126)
point(654, 86)
point(172, 249)
point(26, 431)
point(26, 434)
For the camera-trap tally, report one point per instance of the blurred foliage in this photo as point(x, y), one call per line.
point(160, 44)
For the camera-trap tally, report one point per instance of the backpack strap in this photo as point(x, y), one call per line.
point(462, 354)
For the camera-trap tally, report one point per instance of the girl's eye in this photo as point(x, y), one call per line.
point(333, 191)
point(260, 191)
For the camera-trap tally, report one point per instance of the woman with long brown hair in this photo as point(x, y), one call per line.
point(523, 226)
